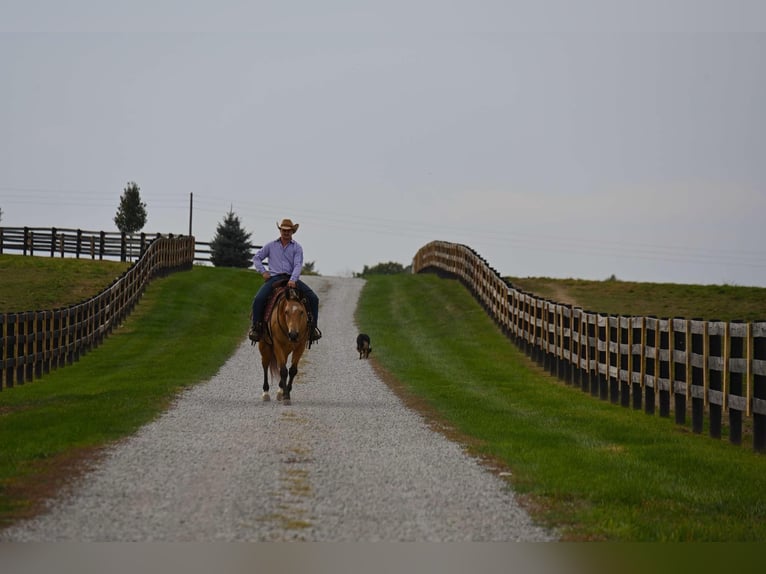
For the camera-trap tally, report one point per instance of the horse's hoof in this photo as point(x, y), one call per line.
point(279, 394)
point(266, 398)
point(286, 402)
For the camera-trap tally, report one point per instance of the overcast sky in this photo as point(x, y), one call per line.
point(556, 138)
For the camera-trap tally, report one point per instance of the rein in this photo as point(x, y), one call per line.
point(283, 327)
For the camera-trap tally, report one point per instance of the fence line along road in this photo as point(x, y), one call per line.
point(79, 243)
point(32, 343)
point(346, 461)
point(706, 367)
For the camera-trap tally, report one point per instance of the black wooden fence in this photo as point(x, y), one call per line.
point(687, 366)
point(79, 243)
point(32, 343)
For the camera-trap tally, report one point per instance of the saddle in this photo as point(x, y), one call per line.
point(282, 290)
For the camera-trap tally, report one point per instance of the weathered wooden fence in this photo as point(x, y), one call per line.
point(204, 252)
point(687, 366)
point(33, 343)
point(79, 243)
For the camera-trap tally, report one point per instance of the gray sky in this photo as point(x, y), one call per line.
point(564, 139)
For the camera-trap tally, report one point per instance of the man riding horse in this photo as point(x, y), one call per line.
point(285, 260)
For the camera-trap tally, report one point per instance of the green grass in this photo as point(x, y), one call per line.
point(41, 283)
point(183, 330)
point(595, 470)
point(709, 302)
point(590, 468)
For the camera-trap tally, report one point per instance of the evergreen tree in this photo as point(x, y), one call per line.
point(131, 215)
point(231, 245)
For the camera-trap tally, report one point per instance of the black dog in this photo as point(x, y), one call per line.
point(363, 346)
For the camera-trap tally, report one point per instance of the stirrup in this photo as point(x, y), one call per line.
point(254, 334)
point(315, 335)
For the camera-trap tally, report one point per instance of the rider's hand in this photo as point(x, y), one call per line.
point(292, 284)
point(266, 275)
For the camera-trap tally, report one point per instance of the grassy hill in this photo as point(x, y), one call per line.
point(593, 470)
point(709, 302)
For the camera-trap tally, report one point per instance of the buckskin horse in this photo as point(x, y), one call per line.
point(287, 335)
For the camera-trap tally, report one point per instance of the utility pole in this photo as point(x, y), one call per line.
point(191, 208)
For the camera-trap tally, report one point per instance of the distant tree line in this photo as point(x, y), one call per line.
point(389, 268)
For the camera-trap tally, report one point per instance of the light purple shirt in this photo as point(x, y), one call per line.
point(286, 259)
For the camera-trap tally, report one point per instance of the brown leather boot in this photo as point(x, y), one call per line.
point(256, 332)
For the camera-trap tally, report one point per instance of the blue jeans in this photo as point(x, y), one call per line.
point(259, 302)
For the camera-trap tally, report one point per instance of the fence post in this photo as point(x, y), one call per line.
point(524, 320)
point(19, 347)
point(651, 364)
point(602, 369)
point(577, 347)
point(625, 360)
point(538, 336)
point(759, 386)
point(663, 383)
point(717, 343)
point(593, 354)
point(123, 247)
point(47, 341)
point(698, 364)
point(61, 342)
point(529, 303)
point(567, 344)
point(679, 359)
point(613, 362)
point(29, 346)
point(101, 244)
point(638, 369)
point(78, 247)
point(586, 349)
point(6, 379)
point(737, 403)
point(53, 241)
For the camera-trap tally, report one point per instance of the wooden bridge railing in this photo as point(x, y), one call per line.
point(33, 343)
point(701, 367)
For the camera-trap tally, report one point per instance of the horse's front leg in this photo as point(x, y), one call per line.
point(292, 372)
point(266, 355)
point(283, 377)
point(265, 379)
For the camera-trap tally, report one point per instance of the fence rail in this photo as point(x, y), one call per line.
point(711, 368)
point(33, 343)
point(203, 251)
point(78, 243)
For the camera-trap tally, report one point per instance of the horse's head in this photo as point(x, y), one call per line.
point(295, 318)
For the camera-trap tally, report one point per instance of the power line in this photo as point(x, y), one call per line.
point(364, 222)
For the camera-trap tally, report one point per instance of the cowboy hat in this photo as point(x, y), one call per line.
point(288, 224)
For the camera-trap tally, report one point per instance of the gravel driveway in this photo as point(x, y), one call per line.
point(346, 461)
